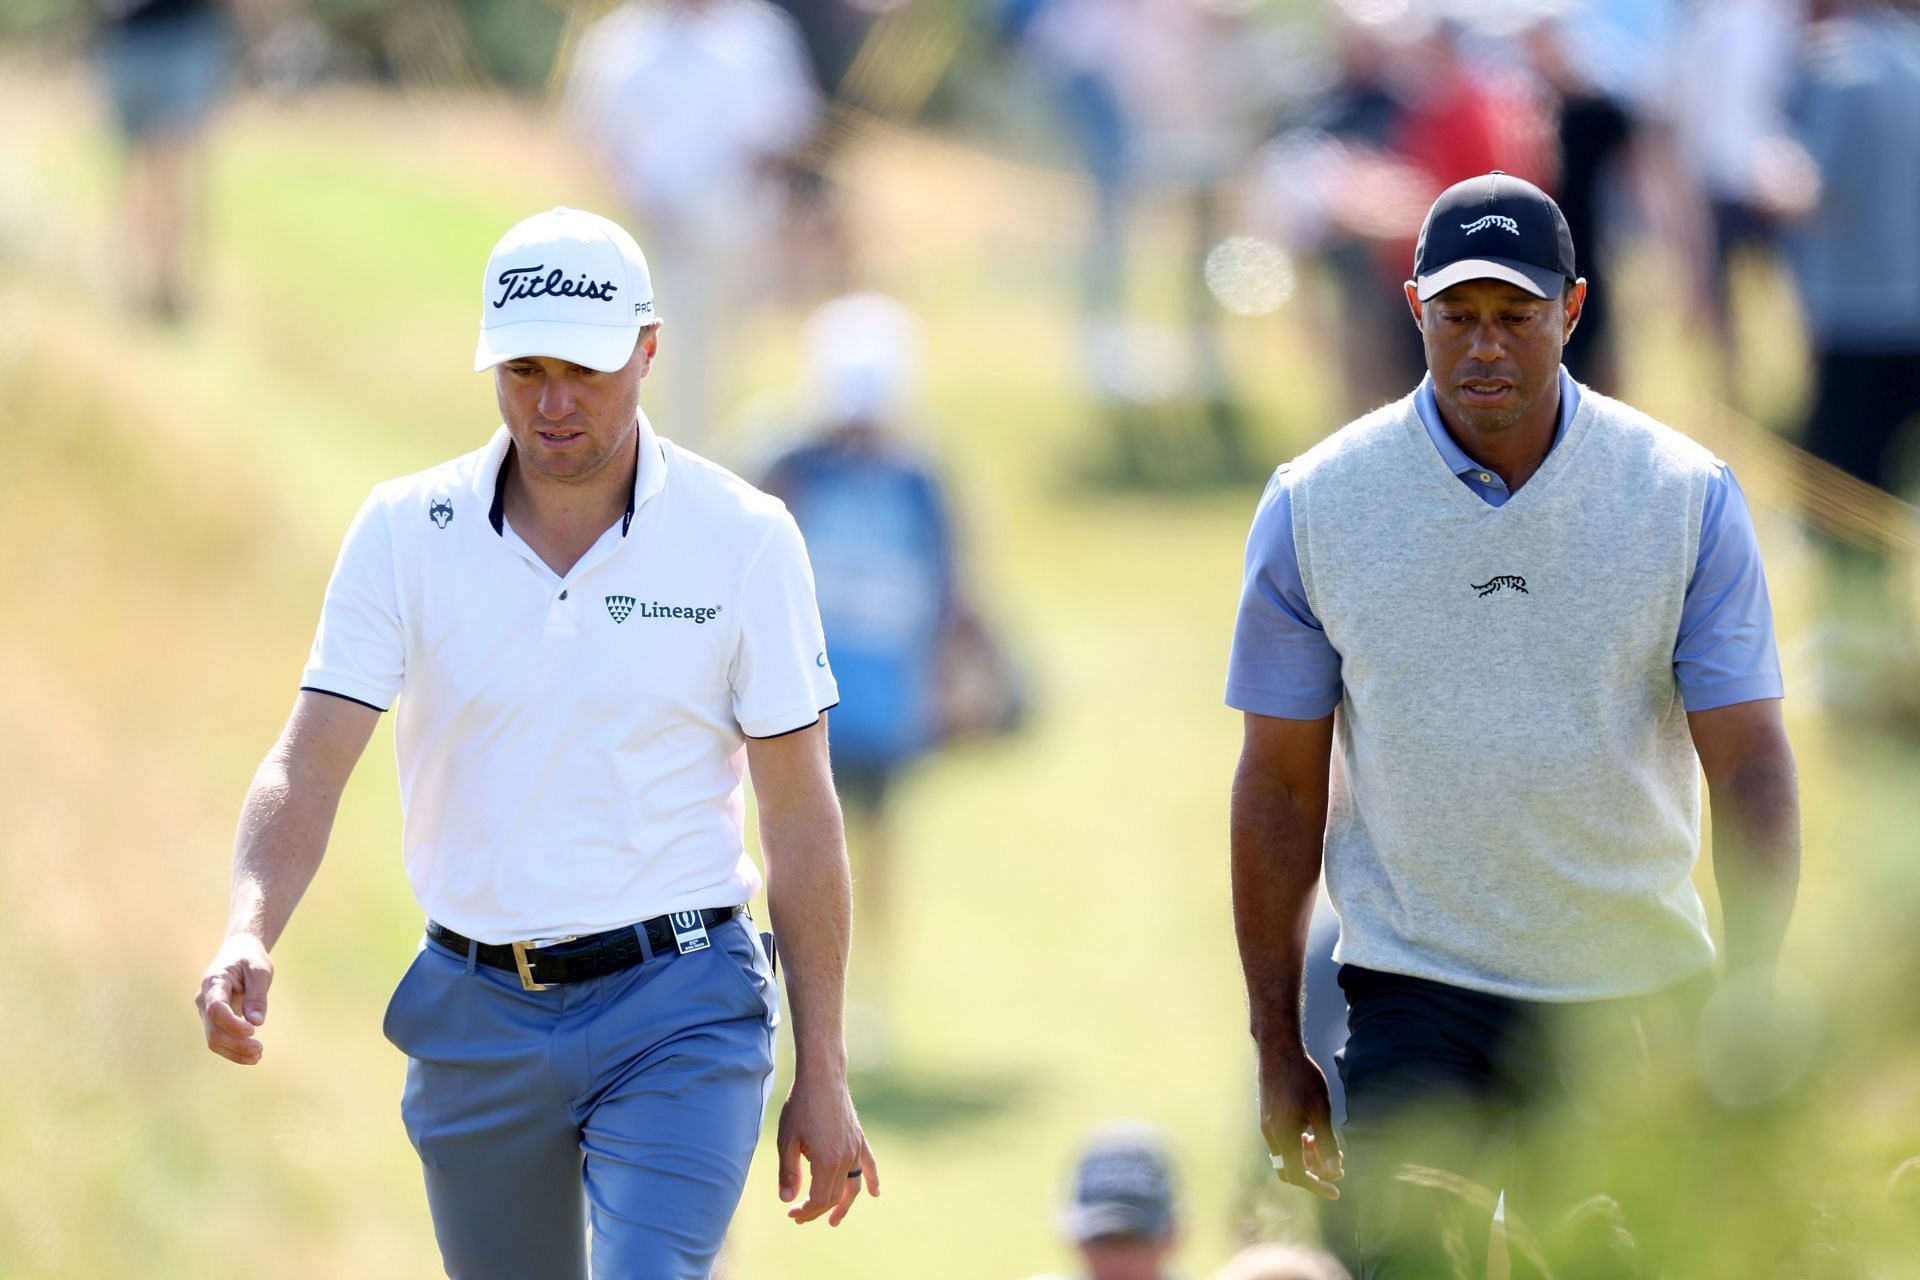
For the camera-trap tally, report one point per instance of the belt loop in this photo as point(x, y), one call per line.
point(473, 956)
point(646, 943)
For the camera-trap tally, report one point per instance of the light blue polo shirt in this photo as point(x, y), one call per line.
point(1283, 665)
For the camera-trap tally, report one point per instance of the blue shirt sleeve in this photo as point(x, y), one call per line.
point(1725, 652)
point(1282, 663)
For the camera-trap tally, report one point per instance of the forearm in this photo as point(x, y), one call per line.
point(284, 825)
point(1756, 854)
point(1276, 846)
point(810, 899)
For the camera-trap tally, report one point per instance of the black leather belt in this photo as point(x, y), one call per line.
point(594, 956)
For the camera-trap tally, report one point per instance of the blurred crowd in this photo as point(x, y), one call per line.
point(1298, 145)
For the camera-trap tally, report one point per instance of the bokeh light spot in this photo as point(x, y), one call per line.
point(1250, 276)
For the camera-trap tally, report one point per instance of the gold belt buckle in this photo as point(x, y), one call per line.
point(525, 966)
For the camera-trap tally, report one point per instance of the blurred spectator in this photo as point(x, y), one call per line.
point(1856, 255)
point(1303, 192)
point(1199, 99)
point(1162, 99)
point(875, 516)
point(1856, 259)
point(165, 64)
point(1282, 1262)
point(1464, 116)
point(1727, 72)
point(816, 258)
point(1120, 1213)
point(833, 31)
point(1380, 349)
point(1413, 110)
point(696, 105)
point(1593, 135)
point(1082, 49)
point(1620, 45)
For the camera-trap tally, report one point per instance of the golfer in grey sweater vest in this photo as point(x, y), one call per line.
point(1488, 637)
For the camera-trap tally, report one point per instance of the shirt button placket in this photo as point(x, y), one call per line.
point(561, 618)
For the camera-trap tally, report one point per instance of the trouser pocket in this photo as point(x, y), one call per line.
point(404, 1004)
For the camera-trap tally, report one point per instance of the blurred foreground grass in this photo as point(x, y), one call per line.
point(172, 500)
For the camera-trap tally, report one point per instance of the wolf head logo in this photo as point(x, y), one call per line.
point(441, 512)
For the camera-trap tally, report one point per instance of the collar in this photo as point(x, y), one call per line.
point(649, 473)
point(1450, 451)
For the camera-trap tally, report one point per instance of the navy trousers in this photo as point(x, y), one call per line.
point(1456, 1098)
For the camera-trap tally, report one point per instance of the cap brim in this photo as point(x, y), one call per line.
point(1085, 1222)
point(1541, 282)
point(592, 346)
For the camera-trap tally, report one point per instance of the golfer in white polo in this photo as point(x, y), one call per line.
point(588, 637)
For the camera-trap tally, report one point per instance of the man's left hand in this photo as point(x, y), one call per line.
point(818, 1122)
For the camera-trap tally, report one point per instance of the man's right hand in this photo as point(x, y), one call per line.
point(1296, 1116)
point(233, 998)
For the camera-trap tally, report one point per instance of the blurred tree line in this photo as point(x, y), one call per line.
point(915, 50)
point(511, 43)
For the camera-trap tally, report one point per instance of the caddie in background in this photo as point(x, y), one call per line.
point(877, 520)
point(1489, 636)
point(589, 636)
point(1121, 1212)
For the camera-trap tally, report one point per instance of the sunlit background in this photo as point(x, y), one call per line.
point(1151, 248)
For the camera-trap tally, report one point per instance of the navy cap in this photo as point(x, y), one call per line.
point(1494, 227)
point(1123, 1186)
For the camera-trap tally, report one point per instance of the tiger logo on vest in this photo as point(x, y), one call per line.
point(1505, 582)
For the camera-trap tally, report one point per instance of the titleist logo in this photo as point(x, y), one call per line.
point(1491, 220)
point(527, 282)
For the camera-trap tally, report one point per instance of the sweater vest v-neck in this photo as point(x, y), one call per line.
point(1515, 798)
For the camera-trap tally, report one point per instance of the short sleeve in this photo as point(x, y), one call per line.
point(1282, 663)
point(359, 651)
point(1725, 651)
point(780, 677)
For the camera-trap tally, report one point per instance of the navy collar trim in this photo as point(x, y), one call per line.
point(497, 511)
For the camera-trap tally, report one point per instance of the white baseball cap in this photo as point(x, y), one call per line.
point(567, 284)
point(865, 357)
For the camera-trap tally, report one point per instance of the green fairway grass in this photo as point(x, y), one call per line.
point(171, 501)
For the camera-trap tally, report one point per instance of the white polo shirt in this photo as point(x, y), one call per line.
point(571, 749)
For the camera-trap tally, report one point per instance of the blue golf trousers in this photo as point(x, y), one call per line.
point(618, 1114)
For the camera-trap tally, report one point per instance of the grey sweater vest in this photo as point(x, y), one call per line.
point(1515, 799)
